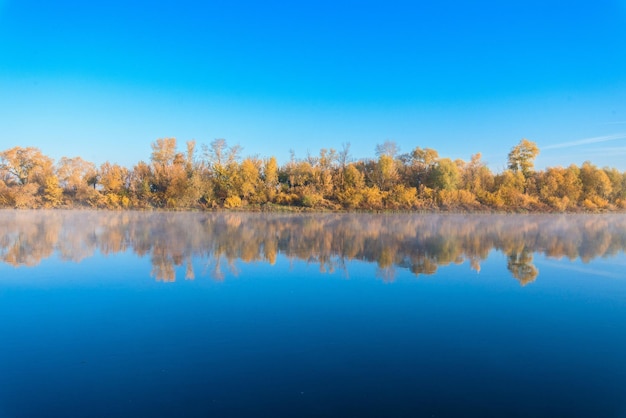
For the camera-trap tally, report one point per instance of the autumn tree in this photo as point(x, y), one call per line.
point(32, 174)
point(401, 197)
point(270, 178)
point(77, 178)
point(596, 186)
point(354, 184)
point(618, 183)
point(141, 185)
point(162, 157)
point(113, 180)
point(560, 187)
point(476, 176)
point(222, 163)
point(25, 165)
point(172, 171)
point(197, 190)
point(417, 165)
point(303, 183)
point(508, 190)
point(325, 171)
point(445, 175)
point(249, 180)
point(386, 172)
point(163, 151)
point(52, 192)
point(522, 157)
point(191, 155)
point(343, 158)
point(174, 181)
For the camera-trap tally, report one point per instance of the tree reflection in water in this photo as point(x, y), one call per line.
point(520, 264)
point(419, 243)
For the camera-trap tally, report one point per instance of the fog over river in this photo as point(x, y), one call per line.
point(232, 314)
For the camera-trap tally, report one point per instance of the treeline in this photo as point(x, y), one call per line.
point(216, 176)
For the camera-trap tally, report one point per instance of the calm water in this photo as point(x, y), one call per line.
point(217, 315)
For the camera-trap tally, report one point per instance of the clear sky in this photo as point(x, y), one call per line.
point(104, 79)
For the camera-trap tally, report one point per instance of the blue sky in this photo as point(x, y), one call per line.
point(103, 80)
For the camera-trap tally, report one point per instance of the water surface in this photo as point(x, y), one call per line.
point(114, 314)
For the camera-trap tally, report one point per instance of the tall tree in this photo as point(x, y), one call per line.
point(220, 154)
point(522, 157)
point(270, 177)
point(475, 175)
point(249, 178)
point(388, 148)
point(223, 167)
point(386, 173)
point(343, 158)
point(163, 151)
point(191, 154)
point(141, 184)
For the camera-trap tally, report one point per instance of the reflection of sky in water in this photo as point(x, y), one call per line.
point(104, 338)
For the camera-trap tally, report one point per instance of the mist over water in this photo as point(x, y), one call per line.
point(420, 244)
point(250, 314)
